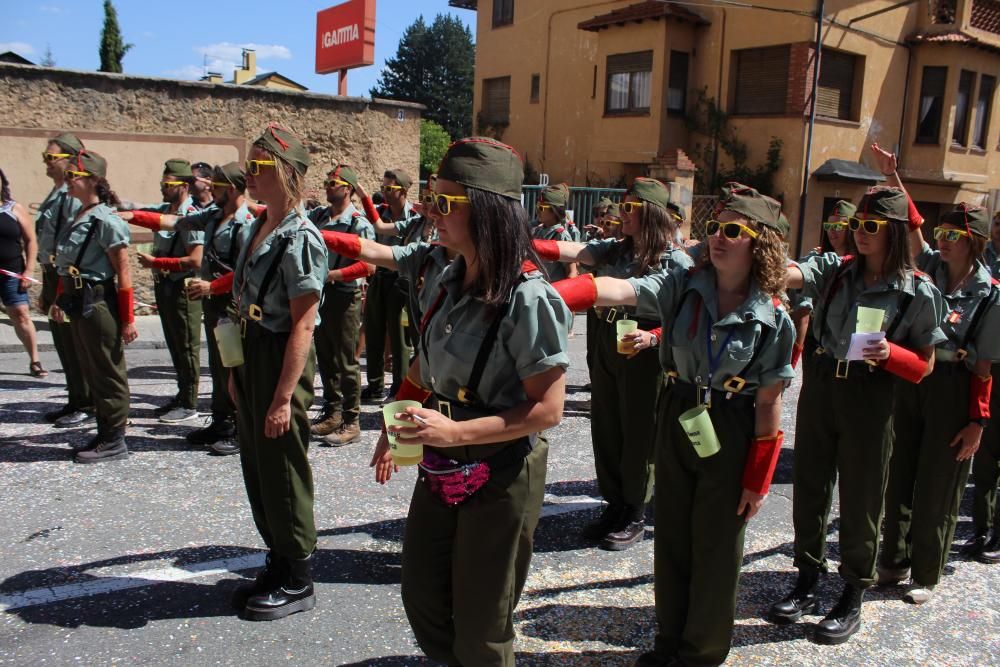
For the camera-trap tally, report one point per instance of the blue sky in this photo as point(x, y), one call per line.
point(177, 40)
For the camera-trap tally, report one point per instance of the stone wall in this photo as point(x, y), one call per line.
point(138, 122)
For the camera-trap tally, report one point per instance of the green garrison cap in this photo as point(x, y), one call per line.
point(614, 211)
point(401, 177)
point(484, 164)
point(604, 202)
point(844, 209)
point(345, 172)
point(783, 227)
point(650, 190)
point(92, 163)
point(233, 173)
point(285, 146)
point(974, 219)
point(178, 167)
point(751, 204)
point(68, 142)
point(556, 195)
point(887, 202)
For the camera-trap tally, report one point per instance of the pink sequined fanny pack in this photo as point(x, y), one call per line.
point(453, 482)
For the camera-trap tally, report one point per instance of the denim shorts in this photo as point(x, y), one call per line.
point(10, 291)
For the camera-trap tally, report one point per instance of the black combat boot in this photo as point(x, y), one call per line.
point(801, 600)
point(293, 593)
point(267, 578)
point(843, 620)
point(631, 529)
point(609, 519)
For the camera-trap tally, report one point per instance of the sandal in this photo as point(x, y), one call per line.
point(36, 370)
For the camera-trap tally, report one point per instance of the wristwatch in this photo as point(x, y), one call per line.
point(982, 421)
point(654, 341)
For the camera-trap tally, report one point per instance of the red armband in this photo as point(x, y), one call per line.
point(761, 461)
point(148, 219)
point(905, 364)
point(579, 293)
point(915, 220)
point(342, 243)
point(167, 263)
point(547, 249)
point(222, 285)
point(354, 271)
point(980, 388)
point(658, 332)
point(370, 211)
point(411, 391)
point(796, 355)
point(126, 305)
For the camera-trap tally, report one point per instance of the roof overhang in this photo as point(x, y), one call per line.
point(847, 170)
point(642, 11)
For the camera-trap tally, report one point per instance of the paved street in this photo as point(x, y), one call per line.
point(132, 562)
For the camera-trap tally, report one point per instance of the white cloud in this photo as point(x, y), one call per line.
point(187, 72)
point(50, 9)
point(20, 48)
point(227, 51)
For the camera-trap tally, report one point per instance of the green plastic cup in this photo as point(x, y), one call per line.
point(402, 455)
point(697, 423)
point(623, 327)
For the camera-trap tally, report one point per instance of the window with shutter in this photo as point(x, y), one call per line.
point(503, 12)
point(963, 107)
point(835, 92)
point(496, 101)
point(536, 84)
point(629, 82)
point(931, 104)
point(677, 83)
point(761, 85)
point(984, 108)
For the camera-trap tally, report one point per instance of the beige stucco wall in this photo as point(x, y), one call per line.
point(138, 123)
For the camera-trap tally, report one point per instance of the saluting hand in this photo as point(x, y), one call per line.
point(431, 428)
point(886, 161)
point(278, 419)
point(750, 503)
point(382, 460)
point(969, 438)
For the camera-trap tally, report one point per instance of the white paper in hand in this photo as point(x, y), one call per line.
point(859, 341)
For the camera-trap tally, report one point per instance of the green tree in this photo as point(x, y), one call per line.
point(434, 141)
point(434, 66)
point(113, 47)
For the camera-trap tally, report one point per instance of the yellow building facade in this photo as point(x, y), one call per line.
point(595, 93)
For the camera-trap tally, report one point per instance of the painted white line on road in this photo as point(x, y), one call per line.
point(108, 582)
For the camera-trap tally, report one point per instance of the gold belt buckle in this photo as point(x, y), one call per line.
point(464, 395)
point(612, 314)
point(444, 407)
point(669, 377)
point(75, 274)
point(52, 260)
point(961, 354)
point(243, 327)
point(819, 351)
point(734, 384)
point(843, 367)
point(255, 313)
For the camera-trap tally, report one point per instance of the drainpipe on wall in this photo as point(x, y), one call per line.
point(804, 199)
point(902, 110)
point(718, 102)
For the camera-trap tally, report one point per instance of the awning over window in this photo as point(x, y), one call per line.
point(846, 170)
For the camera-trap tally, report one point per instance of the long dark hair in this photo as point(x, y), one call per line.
point(105, 194)
point(656, 233)
point(898, 261)
point(499, 230)
point(4, 188)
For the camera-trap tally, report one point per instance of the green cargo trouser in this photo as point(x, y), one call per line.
point(843, 427)
point(98, 342)
point(69, 354)
point(623, 418)
point(591, 338)
point(214, 308)
point(698, 548)
point(383, 307)
point(926, 483)
point(464, 567)
point(276, 471)
point(336, 343)
point(181, 320)
point(986, 468)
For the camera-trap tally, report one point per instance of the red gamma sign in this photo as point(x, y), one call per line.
point(345, 36)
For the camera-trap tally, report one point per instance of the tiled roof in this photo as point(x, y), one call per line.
point(640, 12)
point(954, 37)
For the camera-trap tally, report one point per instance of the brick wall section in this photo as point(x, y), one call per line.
point(362, 132)
point(800, 63)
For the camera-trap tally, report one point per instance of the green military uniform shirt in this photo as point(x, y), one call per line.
point(992, 259)
point(54, 217)
point(301, 270)
point(757, 331)
point(176, 243)
point(556, 270)
point(111, 232)
point(532, 337)
point(351, 221)
point(402, 224)
point(611, 259)
point(919, 326)
point(960, 308)
point(223, 239)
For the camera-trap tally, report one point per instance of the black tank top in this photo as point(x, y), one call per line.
point(11, 250)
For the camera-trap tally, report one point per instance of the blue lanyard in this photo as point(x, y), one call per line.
point(713, 359)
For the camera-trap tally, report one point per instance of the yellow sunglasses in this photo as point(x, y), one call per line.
point(331, 182)
point(72, 174)
point(834, 226)
point(253, 166)
point(390, 188)
point(869, 226)
point(950, 235)
point(731, 230)
point(542, 207)
point(172, 184)
point(221, 184)
point(444, 202)
point(629, 206)
point(52, 157)
point(612, 221)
